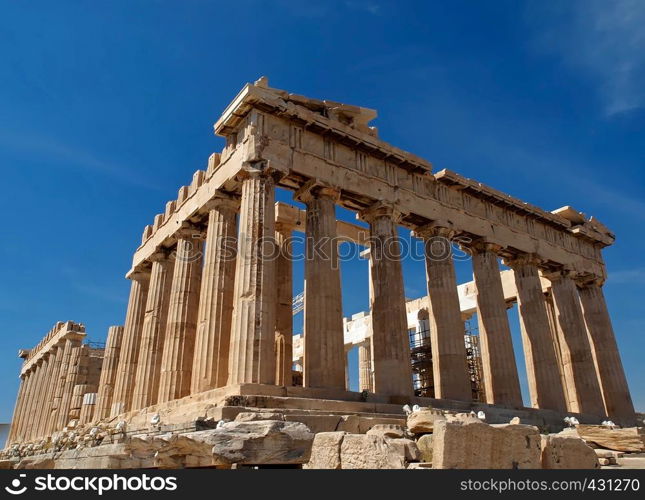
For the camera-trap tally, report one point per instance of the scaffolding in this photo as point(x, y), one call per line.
point(421, 359)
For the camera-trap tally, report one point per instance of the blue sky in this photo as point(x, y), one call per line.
point(106, 109)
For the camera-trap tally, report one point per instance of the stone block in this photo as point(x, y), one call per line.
point(564, 451)
point(361, 451)
point(387, 431)
point(425, 444)
point(325, 451)
point(630, 439)
point(422, 421)
point(472, 444)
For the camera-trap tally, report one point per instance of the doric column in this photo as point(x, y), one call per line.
point(501, 381)
point(126, 373)
point(20, 399)
point(365, 366)
point(447, 332)
point(60, 380)
point(153, 332)
point(19, 419)
point(583, 391)
point(30, 378)
point(55, 359)
point(36, 399)
point(613, 383)
point(543, 372)
point(76, 366)
point(323, 354)
point(252, 350)
point(210, 366)
point(392, 373)
point(181, 325)
point(109, 372)
point(284, 309)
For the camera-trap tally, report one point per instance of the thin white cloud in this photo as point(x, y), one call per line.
point(604, 39)
point(48, 148)
point(635, 276)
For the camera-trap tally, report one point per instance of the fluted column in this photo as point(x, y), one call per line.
point(543, 373)
point(153, 332)
point(447, 332)
point(31, 424)
point(76, 364)
point(60, 380)
point(284, 309)
point(127, 370)
point(252, 350)
point(126, 373)
point(24, 411)
point(613, 383)
point(365, 367)
point(181, 325)
point(583, 391)
point(108, 372)
point(501, 381)
point(55, 355)
point(392, 372)
point(323, 339)
point(15, 420)
point(210, 365)
point(19, 419)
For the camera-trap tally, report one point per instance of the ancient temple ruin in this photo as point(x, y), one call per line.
point(209, 317)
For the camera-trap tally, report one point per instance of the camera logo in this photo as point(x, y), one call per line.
point(15, 488)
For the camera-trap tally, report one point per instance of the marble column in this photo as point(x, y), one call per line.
point(215, 314)
point(127, 370)
point(252, 350)
point(501, 381)
point(584, 395)
point(55, 359)
point(20, 399)
point(35, 400)
point(284, 309)
point(451, 380)
point(60, 378)
point(323, 338)
point(365, 366)
point(613, 383)
point(391, 365)
point(153, 332)
point(542, 365)
point(76, 364)
point(20, 424)
point(108, 372)
point(181, 325)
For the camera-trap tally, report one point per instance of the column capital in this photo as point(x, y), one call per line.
point(314, 188)
point(223, 202)
point(259, 168)
point(554, 275)
point(518, 259)
point(482, 245)
point(589, 280)
point(435, 228)
point(189, 231)
point(378, 210)
point(139, 275)
point(160, 255)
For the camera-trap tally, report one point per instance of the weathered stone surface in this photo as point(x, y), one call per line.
point(249, 416)
point(387, 431)
point(564, 451)
point(359, 451)
point(425, 444)
point(325, 451)
point(476, 445)
point(630, 439)
point(423, 421)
